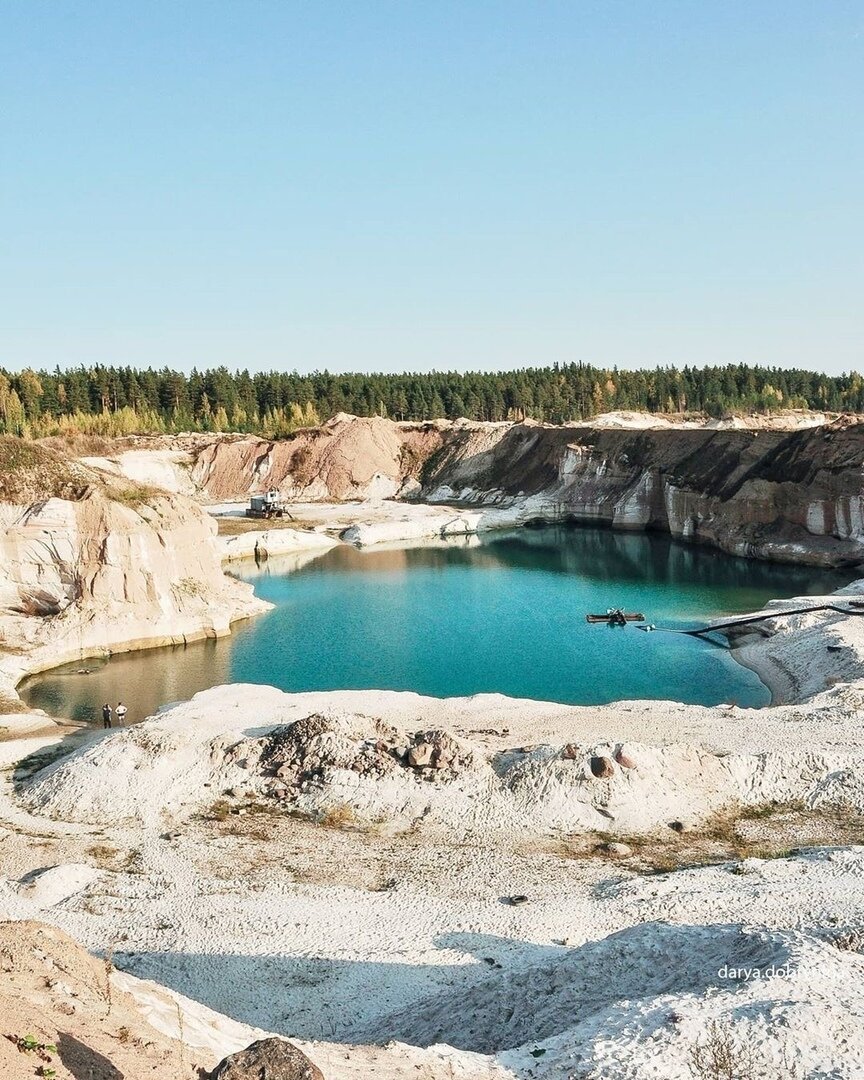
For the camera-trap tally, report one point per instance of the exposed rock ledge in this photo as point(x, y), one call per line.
point(101, 567)
point(784, 495)
point(273, 542)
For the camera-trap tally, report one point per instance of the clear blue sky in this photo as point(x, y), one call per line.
point(409, 185)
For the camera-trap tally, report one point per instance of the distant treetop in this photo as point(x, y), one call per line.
point(122, 400)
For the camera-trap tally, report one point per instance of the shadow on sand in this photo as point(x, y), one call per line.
point(83, 1062)
point(517, 992)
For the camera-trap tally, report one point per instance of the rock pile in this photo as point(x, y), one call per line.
point(298, 756)
point(304, 751)
point(436, 750)
point(600, 764)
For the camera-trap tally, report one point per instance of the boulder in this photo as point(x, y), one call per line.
point(267, 1059)
point(438, 749)
point(624, 759)
point(616, 849)
point(420, 756)
point(602, 767)
point(442, 757)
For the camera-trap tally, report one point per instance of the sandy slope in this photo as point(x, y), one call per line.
point(54, 992)
point(392, 922)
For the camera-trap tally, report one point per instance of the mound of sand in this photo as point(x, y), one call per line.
point(252, 741)
point(51, 885)
point(66, 1013)
point(59, 996)
point(348, 457)
point(645, 996)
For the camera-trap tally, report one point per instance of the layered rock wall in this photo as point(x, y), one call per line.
point(792, 496)
point(788, 496)
point(113, 567)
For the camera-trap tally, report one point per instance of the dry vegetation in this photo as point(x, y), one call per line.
point(133, 495)
point(766, 831)
point(29, 473)
point(727, 1054)
point(339, 817)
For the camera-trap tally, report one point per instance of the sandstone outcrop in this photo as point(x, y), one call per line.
point(346, 458)
point(273, 542)
point(787, 496)
point(103, 564)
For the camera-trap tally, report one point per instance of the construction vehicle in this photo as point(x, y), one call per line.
point(267, 505)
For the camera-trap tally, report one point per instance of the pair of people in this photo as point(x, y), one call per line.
point(107, 711)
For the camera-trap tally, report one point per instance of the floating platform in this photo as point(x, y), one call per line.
point(616, 617)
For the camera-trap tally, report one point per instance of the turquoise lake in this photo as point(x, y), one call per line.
point(504, 614)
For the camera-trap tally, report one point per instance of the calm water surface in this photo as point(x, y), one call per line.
point(505, 614)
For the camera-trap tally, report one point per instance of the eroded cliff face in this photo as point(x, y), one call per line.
point(789, 496)
point(783, 495)
point(108, 565)
point(347, 458)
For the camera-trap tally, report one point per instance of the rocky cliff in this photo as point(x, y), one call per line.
point(788, 496)
point(793, 496)
point(88, 563)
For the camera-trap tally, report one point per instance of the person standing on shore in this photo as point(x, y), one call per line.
point(121, 711)
point(106, 715)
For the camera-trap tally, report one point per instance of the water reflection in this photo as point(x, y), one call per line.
point(593, 554)
point(143, 681)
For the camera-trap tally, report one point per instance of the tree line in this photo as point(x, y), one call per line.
point(123, 400)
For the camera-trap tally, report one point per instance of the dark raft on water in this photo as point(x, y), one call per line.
point(616, 617)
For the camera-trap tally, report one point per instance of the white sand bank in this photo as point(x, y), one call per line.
point(174, 764)
point(273, 542)
point(348, 937)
